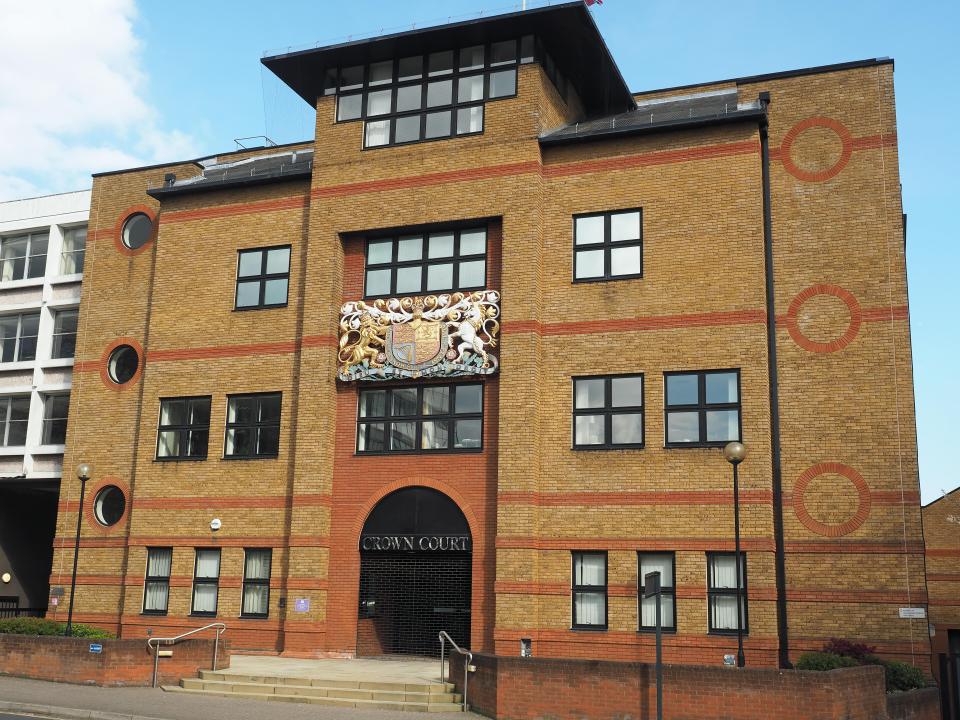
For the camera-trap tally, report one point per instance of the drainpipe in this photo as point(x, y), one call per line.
point(783, 643)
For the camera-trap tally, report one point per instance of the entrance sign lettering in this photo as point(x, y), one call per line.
point(414, 543)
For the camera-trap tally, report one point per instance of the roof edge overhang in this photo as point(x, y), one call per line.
point(160, 193)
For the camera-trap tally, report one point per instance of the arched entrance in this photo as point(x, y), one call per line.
point(415, 574)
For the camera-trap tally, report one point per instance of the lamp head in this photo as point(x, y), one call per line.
point(734, 452)
point(83, 471)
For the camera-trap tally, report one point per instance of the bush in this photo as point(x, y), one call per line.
point(847, 648)
point(822, 661)
point(40, 626)
point(902, 676)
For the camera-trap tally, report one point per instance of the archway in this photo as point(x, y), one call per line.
point(415, 574)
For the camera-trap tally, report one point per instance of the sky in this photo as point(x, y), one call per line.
point(107, 84)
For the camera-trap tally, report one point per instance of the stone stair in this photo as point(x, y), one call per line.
point(419, 697)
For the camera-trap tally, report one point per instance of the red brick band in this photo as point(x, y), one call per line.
point(856, 317)
point(844, 528)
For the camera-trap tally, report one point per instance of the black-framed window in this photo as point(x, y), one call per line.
point(608, 412)
point(14, 417)
point(253, 426)
point(24, 256)
point(608, 245)
point(183, 431)
point(156, 583)
point(427, 97)
point(589, 590)
point(701, 409)
point(206, 581)
point(664, 563)
point(18, 337)
point(427, 262)
point(722, 591)
point(420, 419)
point(55, 409)
point(263, 278)
point(64, 334)
point(256, 582)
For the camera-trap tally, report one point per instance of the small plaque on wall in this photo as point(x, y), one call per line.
point(301, 605)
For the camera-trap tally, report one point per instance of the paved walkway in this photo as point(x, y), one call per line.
point(405, 670)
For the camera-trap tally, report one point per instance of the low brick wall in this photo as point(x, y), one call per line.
point(121, 662)
point(533, 688)
point(914, 705)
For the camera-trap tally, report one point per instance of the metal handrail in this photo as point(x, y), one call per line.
point(157, 642)
point(466, 665)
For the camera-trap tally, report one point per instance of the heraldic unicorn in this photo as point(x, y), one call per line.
point(434, 336)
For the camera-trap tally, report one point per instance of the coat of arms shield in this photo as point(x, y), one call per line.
point(416, 345)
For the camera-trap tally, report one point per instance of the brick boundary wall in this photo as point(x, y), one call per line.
point(534, 688)
point(122, 662)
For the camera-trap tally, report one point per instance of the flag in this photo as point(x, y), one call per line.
point(592, 2)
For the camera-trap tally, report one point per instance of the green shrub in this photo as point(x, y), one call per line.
point(823, 661)
point(40, 626)
point(902, 676)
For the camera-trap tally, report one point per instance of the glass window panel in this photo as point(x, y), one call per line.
point(378, 102)
point(473, 242)
point(404, 402)
point(526, 48)
point(438, 124)
point(351, 77)
point(472, 274)
point(625, 260)
point(589, 430)
point(406, 129)
point(173, 412)
point(648, 611)
point(410, 68)
point(441, 245)
point(470, 119)
point(589, 608)
point(29, 324)
point(626, 392)
point(205, 598)
point(275, 292)
point(503, 83)
point(255, 598)
point(440, 63)
point(372, 437)
point(239, 441)
point(257, 565)
point(467, 433)
point(377, 133)
point(589, 264)
point(268, 441)
point(251, 263)
point(589, 230)
point(471, 57)
point(589, 569)
point(379, 252)
point(683, 427)
point(724, 572)
point(270, 408)
point(378, 282)
point(588, 393)
point(241, 410)
point(436, 400)
point(168, 444)
point(657, 562)
point(409, 279)
point(682, 390)
point(410, 248)
point(278, 261)
point(625, 226)
point(208, 564)
point(439, 93)
point(627, 429)
point(381, 73)
point(723, 425)
point(403, 435)
point(409, 98)
point(349, 107)
point(435, 435)
point(469, 399)
point(723, 612)
point(721, 387)
point(330, 81)
point(373, 403)
point(440, 277)
point(200, 412)
point(159, 561)
point(470, 88)
point(248, 294)
point(503, 52)
point(197, 441)
point(155, 596)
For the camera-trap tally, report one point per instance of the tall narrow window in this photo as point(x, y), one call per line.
point(256, 583)
point(206, 582)
point(55, 409)
point(24, 256)
point(156, 585)
point(253, 426)
point(64, 334)
point(608, 246)
point(665, 564)
point(14, 414)
point(702, 408)
point(590, 590)
point(263, 276)
point(74, 248)
point(184, 428)
point(18, 337)
point(608, 412)
point(722, 591)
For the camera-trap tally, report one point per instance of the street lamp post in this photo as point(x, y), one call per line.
point(83, 472)
point(734, 453)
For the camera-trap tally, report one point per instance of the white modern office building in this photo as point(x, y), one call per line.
point(42, 246)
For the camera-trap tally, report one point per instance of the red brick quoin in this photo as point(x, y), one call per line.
point(844, 528)
point(793, 133)
point(856, 318)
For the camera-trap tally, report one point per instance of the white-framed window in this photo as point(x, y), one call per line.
point(55, 408)
point(14, 416)
point(18, 337)
point(23, 256)
point(73, 251)
point(64, 334)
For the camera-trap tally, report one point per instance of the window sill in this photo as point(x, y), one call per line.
point(588, 628)
point(24, 283)
point(179, 459)
point(261, 307)
point(594, 448)
point(48, 449)
point(637, 276)
point(231, 458)
point(66, 279)
point(154, 613)
point(653, 631)
point(56, 362)
point(203, 614)
point(387, 453)
point(697, 446)
point(255, 617)
point(726, 633)
point(17, 365)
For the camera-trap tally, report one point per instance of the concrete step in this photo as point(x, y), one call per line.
point(397, 692)
point(434, 688)
point(282, 693)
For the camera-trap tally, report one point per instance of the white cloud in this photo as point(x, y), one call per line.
point(72, 96)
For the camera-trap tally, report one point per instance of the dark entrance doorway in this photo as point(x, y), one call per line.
point(415, 574)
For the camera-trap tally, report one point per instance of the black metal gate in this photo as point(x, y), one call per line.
point(950, 685)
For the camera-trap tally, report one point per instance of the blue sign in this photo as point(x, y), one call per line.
point(96, 648)
point(301, 605)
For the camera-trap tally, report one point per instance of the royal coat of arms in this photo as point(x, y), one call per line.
point(437, 335)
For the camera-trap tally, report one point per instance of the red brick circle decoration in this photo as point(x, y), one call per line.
point(856, 318)
point(832, 468)
point(786, 146)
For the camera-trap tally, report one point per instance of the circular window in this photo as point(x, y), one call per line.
point(123, 364)
point(109, 505)
point(137, 230)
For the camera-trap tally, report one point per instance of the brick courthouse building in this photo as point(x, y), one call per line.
point(467, 359)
